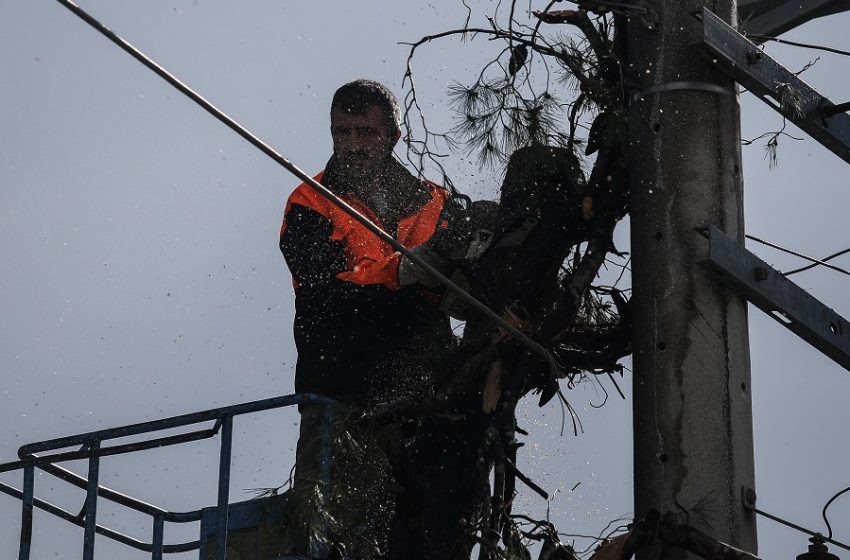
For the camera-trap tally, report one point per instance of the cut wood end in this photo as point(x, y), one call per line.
point(557, 16)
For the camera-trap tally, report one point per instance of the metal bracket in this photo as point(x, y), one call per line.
point(777, 86)
point(748, 497)
point(827, 112)
point(684, 85)
point(782, 299)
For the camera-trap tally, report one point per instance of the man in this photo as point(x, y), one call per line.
point(355, 295)
point(359, 307)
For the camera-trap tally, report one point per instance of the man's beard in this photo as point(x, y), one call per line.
point(358, 173)
point(387, 188)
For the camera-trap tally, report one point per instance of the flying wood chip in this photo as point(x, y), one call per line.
point(612, 549)
point(558, 16)
point(519, 55)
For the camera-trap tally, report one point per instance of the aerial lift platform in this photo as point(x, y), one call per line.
point(246, 529)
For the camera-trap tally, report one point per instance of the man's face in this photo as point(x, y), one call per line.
point(361, 142)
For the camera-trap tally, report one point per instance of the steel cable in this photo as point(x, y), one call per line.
point(292, 168)
point(829, 503)
point(810, 266)
point(817, 262)
point(803, 45)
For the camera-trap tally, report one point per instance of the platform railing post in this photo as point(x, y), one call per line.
point(91, 504)
point(156, 542)
point(319, 547)
point(26, 512)
point(223, 487)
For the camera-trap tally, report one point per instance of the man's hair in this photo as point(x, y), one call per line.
point(359, 96)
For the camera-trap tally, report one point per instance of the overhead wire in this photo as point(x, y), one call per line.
point(817, 262)
point(503, 324)
point(799, 528)
point(829, 503)
point(810, 266)
point(803, 45)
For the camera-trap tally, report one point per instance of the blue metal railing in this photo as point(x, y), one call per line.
point(92, 449)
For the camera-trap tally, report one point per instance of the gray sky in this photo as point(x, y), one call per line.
point(141, 276)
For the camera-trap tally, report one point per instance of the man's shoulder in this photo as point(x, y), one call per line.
point(306, 195)
point(437, 189)
point(418, 185)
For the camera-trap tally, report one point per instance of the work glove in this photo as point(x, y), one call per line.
point(409, 273)
point(451, 237)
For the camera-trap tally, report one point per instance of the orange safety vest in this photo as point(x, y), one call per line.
point(369, 259)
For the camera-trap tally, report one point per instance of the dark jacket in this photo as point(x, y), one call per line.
point(350, 310)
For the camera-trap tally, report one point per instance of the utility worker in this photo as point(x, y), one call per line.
point(359, 304)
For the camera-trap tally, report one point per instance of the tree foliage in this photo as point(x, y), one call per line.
point(548, 103)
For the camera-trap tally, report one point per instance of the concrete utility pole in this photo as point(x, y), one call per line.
point(693, 440)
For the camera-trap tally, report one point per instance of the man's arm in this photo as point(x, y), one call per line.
point(316, 259)
point(312, 256)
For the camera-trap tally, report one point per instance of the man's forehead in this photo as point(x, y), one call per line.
point(373, 115)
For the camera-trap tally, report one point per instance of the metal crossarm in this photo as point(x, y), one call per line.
point(774, 17)
point(769, 290)
point(777, 86)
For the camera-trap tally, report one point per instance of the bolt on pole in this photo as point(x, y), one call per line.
point(693, 440)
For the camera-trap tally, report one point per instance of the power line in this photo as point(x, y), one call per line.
point(516, 333)
point(817, 262)
point(810, 266)
point(799, 528)
point(803, 45)
point(829, 503)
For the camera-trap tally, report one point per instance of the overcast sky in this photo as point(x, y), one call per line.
point(141, 274)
